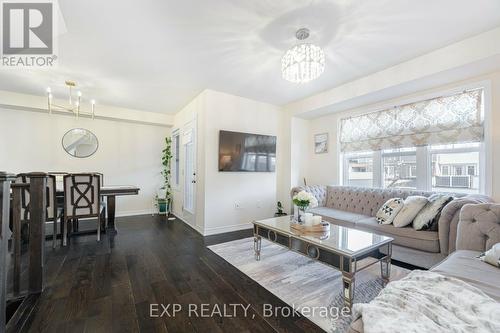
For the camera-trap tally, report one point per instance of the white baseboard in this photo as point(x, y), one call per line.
point(135, 212)
point(203, 232)
point(194, 227)
point(226, 228)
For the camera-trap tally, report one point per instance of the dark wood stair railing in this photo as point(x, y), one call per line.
point(5, 180)
point(36, 243)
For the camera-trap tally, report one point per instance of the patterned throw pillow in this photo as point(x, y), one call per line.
point(428, 217)
point(492, 256)
point(389, 210)
point(412, 205)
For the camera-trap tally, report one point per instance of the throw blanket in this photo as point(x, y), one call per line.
point(428, 302)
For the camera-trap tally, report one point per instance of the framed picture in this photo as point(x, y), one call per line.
point(321, 143)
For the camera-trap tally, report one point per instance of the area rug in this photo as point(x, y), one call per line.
point(303, 283)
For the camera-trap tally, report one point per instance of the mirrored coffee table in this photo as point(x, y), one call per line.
point(342, 248)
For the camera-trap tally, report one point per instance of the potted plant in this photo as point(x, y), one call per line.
point(279, 210)
point(164, 195)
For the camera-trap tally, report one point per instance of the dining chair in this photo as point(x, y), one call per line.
point(52, 212)
point(104, 204)
point(82, 200)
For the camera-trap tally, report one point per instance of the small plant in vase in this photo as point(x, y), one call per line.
point(304, 200)
point(279, 209)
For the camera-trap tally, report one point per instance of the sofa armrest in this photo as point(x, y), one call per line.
point(448, 221)
point(319, 192)
point(479, 227)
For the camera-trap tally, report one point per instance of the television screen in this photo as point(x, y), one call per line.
point(244, 152)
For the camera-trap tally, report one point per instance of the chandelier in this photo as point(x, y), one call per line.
point(303, 62)
point(74, 106)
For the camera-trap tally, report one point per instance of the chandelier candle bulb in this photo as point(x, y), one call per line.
point(72, 108)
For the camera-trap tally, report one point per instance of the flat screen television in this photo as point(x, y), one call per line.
point(245, 152)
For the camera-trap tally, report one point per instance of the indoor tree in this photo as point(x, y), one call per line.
point(164, 202)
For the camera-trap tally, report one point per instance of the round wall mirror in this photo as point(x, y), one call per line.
point(79, 142)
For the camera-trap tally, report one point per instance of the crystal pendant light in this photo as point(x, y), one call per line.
point(303, 62)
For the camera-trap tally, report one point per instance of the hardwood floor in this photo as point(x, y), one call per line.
point(109, 286)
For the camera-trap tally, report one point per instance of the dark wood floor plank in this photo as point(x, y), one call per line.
point(124, 316)
point(109, 286)
point(99, 315)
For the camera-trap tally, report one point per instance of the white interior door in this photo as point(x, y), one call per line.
point(189, 173)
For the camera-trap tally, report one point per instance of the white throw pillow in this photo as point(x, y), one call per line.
point(431, 212)
point(492, 256)
point(412, 205)
point(389, 210)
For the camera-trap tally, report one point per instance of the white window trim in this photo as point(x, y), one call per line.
point(176, 187)
point(424, 172)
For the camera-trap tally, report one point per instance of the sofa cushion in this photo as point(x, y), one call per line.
point(429, 215)
point(492, 256)
point(412, 205)
point(421, 240)
point(339, 217)
point(389, 210)
point(464, 265)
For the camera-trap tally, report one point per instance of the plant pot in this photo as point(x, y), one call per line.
point(162, 206)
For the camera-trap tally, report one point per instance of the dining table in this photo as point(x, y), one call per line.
point(109, 192)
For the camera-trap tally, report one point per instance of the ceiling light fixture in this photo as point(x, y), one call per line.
point(303, 62)
point(74, 106)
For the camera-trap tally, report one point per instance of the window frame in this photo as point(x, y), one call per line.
point(175, 166)
point(481, 169)
point(424, 154)
point(345, 165)
point(423, 166)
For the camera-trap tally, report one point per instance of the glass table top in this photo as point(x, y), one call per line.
point(342, 239)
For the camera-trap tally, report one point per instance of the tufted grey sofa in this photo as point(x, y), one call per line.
point(356, 207)
point(478, 230)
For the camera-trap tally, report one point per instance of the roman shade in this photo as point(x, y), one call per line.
point(443, 120)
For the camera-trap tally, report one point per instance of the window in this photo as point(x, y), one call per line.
point(447, 168)
point(400, 168)
point(463, 160)
point(471, 170)
point(175, 158)
point(443, 140)
point(360, 170)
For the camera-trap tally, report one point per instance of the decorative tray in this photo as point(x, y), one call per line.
point(323, 227)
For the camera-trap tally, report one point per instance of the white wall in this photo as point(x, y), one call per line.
point(255, 192)
point(128, 154)
point(218, 192)
point(300, 145)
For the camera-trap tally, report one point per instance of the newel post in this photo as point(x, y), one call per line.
point(38, 212)
point(5, 180)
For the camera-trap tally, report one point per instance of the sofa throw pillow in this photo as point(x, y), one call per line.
point(429, 215)
point(492, 256)
point(389, 210)
point(412, 206)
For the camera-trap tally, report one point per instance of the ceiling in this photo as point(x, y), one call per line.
point(156, 55)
